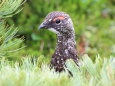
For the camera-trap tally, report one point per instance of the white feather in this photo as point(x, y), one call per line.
point(53, 30)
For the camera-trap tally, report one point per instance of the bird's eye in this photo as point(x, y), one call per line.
point(58, 21)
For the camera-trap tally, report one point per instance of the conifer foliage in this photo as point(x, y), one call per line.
point(8, 42)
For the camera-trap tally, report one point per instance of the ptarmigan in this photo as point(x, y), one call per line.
point(61, 24)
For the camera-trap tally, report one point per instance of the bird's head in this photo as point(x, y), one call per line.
point(58, 22)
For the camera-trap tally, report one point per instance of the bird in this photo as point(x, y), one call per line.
point(61, 24)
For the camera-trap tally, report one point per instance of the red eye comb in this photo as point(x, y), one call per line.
point(59, 17)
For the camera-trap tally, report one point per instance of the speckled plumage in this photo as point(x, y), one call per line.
point(66, 45)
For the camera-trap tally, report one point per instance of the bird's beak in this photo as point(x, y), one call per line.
point(41, 26)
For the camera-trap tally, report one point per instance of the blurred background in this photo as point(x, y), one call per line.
point(94, 23)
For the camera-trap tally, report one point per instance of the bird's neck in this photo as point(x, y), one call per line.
point(65, 42)
point(65, 45)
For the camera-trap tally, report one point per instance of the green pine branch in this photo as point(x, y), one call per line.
point(8, 42)
point(8, 8)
